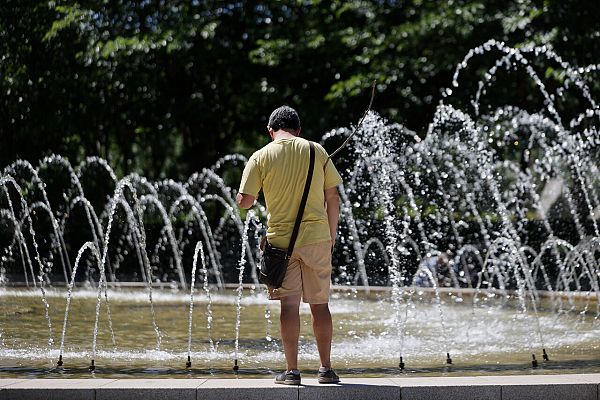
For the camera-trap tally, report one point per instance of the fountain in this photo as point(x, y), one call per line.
point(453, 256)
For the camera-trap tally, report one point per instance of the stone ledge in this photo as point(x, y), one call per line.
point(543, 387)
point(247, 389)
point(350, 388)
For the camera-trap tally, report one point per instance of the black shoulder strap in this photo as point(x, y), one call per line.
point(311, 167)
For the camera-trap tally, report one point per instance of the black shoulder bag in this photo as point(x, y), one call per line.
point(274, 260)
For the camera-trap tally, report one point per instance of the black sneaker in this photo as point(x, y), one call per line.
point(288, 378)
point(328, 376)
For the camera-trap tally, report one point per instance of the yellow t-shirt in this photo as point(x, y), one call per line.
point(280, 169)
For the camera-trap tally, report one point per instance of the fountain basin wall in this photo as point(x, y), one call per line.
point(555, 387)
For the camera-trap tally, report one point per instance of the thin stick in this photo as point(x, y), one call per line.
point(355, 128)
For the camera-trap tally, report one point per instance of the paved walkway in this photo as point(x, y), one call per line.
point(544, 387)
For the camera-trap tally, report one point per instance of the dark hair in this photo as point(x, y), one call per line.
point(284, 117)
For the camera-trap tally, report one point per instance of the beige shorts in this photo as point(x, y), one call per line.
point(308, 273)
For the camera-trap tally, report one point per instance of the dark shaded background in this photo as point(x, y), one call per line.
point(165, 88)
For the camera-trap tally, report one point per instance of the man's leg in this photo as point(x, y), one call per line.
point(290, 329)
point(323, 330)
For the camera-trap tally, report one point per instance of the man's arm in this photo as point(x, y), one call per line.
point(332, 206)
point(245, 200)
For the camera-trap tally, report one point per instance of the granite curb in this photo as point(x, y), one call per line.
point(543, 387)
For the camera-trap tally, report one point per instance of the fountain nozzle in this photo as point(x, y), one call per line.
point(92, 367)
point(188, 364)
point(545, 355)
point(236, 368)
point(401, 364)
point(59, 363)
point(448, 359)
point(534, 362)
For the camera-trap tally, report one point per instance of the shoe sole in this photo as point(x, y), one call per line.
point(288, 382)
point(328, 380)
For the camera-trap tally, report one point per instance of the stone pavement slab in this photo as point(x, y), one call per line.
point(583, 391)
point(548, 387)
point(541, 379)
point(350, 388)
point(449, 392)
point(8, 382)
point(459, 388)
point(53, 389)
point(247, 389)
point(441, 381)
point(150, 389)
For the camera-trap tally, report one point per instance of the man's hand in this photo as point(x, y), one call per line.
point(245, 200)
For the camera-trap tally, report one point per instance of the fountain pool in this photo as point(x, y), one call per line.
point(489, 339)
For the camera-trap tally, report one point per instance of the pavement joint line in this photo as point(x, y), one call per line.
point(106, 383)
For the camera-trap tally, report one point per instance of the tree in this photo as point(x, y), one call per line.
point(167, 87)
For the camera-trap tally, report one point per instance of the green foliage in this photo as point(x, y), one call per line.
point(167, 87)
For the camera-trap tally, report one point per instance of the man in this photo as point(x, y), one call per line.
point(280, 169)
point(438, 266)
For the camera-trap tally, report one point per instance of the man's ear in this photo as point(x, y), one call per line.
point(298, 131)
point(271, 131)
